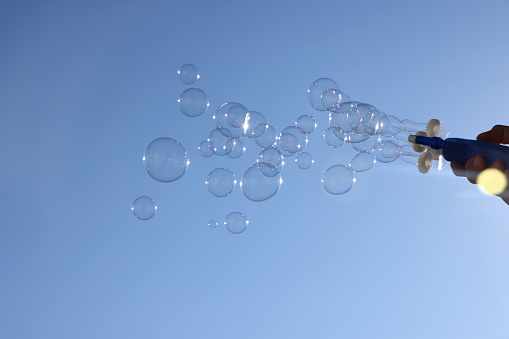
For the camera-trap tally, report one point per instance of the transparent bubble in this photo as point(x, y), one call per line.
point(213, 224)
point(205, 149)
point(144, 208)
point(316, 90)
point(221, 182)
point(331, 139)
point(333, 97)
point(387, 151)
point(258, 187)
point(343, 117)
point(292, 139)
point(363, 161)
point(270, 161)
point(165, 160)
point(408, 155)
point(223, 120)
point(193, 102)
point(236, 116)
point(370, 123)
point(220, 143)
point(403, 135)
point(304, 160)
point(238, 150)
point(253, 120)
point(391, 126)
point(306, 123)
point(410, 126)
point(267, 136)
point(368, 145)
point(352, 137)
point(338, 179)
point(188, 74)
point(236, 222)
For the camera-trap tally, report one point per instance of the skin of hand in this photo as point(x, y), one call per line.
point(499, 134)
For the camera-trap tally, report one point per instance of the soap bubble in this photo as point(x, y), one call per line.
point(363, 161)
point(368, 145)
point(306, 123)
point(304, 160)
point(144, 208)
point(236, 116)
point(352, 137)
point(316, 90)
point(221, 182)
point(258, 187)
point(188, 74)
point(333, 97)
point(221, 144)
point(338, 179)
point(237, 150)
point(193, 102)
point(205, 149)
point(370, 123)
point(267, 135)
point(292, 139)
point(213, 224)
point(408, 155)
point(253, 120)
point(165, 160)
point(229, 126)
point(387, 151)
point(410, 126)
point(270, 161)
point(236, 222)
point(391, 126)
point(331, 139)
point(343, 117)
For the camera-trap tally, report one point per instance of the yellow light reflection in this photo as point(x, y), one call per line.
point(492, 181)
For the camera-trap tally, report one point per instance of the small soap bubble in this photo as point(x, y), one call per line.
point(258, 187)
point(223, 122)
point(292, 139)
point(331, 139)
point(188, 74)
point(368, 145)
point(391, 126)
point(317, 89)
point(306, 123)
point(236, 116)
point(165, 160)
point(363, 161)
point(220, 143)
point(270, 161)
point(267, 136)
point(253, 120)
point(238, 150)
point(236, 222)
point(304, 160)
point(221, 182)
point(338, 179)
point(193, 102)
point(387, 151)
point(213, 224)
point(205, 149)
point(144, 208)
point(333, 97)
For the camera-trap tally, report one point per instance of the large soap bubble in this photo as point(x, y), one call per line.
point(338, 179)
point(368, 145)
point(144, 208)
point(317, 89)
point(165, 160)
point(236, 222)
point(188, 74)
point(193, 102)
point(221, 182)
point(233, 126)
point(258, 187)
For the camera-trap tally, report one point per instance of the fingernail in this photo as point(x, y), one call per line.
point(477, 162)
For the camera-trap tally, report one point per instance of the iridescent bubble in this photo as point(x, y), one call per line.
point(144, 208)
point(193, 102)
point(258, 187)
point(292, 139)
point(222, 120)
point(333, 97)
point(316, 90)
point(338, 179)
point(236, 222)
point(253, 120)
point(387, 151)
point(221, 182)
point(368, 145)
point(220, 143)
point(238, 150)
point(270, 161)
point(330, 138)
point(391, 126)
point(165, 160)
point(306, 123)
point(304, 160)
point(188, 74)
point(205, 149)
point(213, 224)
point(267, 135)
point(363, 161)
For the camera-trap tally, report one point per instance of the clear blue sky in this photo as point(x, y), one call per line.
point(85, 87)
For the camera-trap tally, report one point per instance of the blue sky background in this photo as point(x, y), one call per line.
point(86, 86)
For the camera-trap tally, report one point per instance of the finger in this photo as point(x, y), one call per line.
point(499, 134)
point(499, 165)
point(458, 169)
point(474, 166)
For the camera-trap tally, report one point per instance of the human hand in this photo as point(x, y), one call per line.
point(474, 166)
